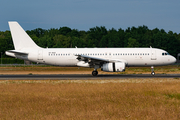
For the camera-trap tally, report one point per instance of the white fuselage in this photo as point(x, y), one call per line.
point(108, 59)
point(67, 56)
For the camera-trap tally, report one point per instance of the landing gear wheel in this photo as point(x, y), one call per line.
point(94, 73)
point(153, 73)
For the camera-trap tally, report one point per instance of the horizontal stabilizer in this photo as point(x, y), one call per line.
point(17, 52)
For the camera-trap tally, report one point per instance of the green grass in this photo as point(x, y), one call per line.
point(176, 96)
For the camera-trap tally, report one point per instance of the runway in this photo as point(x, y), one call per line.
point(85, 76)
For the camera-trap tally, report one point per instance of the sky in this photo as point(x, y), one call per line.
point(86, 14)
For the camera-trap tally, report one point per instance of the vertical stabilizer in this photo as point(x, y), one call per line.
point(20, 38)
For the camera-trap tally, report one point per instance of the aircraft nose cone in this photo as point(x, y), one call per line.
point(173, 59)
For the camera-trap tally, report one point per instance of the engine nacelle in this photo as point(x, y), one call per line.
point(113, 67)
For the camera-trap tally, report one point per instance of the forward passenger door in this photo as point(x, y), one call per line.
point(153, 54)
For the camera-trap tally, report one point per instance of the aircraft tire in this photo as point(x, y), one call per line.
point(94, 73)
point(153, 73)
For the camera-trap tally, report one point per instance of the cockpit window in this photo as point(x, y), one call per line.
point(165, 54)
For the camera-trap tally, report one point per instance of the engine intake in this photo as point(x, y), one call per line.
point(113, 67)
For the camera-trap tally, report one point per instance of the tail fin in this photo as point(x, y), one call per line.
point(20, 38)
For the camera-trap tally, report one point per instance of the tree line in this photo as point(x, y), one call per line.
point(65, 37)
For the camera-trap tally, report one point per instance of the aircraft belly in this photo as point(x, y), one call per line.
point(141, 61)
point(60, 61)
point(66, 62)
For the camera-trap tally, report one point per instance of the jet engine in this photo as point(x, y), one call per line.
point(114, 67)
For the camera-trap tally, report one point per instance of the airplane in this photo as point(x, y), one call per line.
point(108, 59)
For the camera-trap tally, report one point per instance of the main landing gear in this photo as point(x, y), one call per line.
point(95, 73)
point(152, 71)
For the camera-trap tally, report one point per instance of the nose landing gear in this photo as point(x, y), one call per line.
point(152, 71)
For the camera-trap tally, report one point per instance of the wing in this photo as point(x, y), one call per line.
point(92, 61)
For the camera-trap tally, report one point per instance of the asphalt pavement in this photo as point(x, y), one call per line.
point(85, 76)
